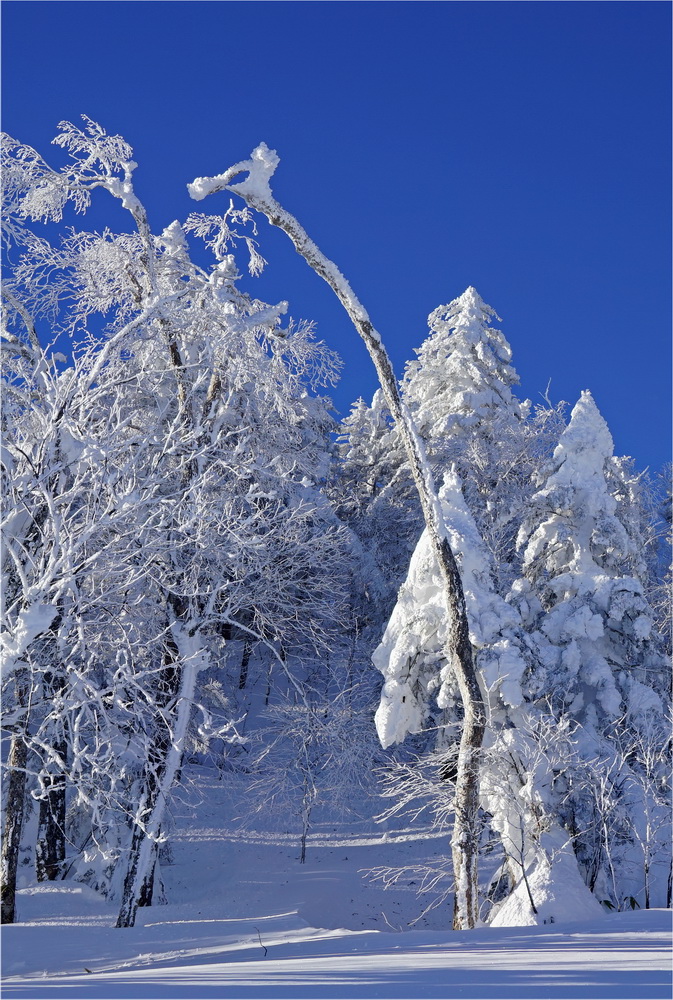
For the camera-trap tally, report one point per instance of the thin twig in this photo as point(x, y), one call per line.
point(266, 950)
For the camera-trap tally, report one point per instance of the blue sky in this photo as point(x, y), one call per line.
point(523, 148)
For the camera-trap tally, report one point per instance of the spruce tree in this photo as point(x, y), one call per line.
point(596, 662)
point(459, 390)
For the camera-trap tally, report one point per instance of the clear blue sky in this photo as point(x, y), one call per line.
point(523, 148)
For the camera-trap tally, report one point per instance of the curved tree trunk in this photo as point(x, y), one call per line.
point(465, 839)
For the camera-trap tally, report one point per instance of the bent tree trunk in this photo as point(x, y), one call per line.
point(256, 192)
point(14, 811)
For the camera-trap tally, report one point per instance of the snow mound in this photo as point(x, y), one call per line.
point(559, 894)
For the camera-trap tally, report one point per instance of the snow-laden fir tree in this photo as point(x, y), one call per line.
point(537, 868)
point(462, 377)
point(375, 495)
point(459, 390)
point(592, 622)
point(642, 507)
point(595, 659)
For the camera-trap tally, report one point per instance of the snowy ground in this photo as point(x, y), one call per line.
point(248, 921)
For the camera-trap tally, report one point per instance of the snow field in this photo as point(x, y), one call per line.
point(246, 920)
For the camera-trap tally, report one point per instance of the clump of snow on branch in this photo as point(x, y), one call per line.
point(410, 655)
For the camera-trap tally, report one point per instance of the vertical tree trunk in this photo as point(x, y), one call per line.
point(14, 811)
point(306, 807)
point(50, 842)
point(139, 880)
point(11, 843)
point(245, 660)
point(465, 839)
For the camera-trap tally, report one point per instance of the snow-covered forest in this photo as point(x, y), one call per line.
point(207, 576)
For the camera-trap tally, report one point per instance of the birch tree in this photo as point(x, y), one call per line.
point(255, 190)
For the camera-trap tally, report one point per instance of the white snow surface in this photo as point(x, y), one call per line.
point(326, 931)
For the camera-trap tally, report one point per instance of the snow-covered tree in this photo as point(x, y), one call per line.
point(643, 507)
point(592, 625)
point(169, 503)
point(369, 449)
point(462, 377)
point(174, 551)
point(570, 652)
point(459, 390)
point(589, 625)
point(516, 773)
point(375, 495)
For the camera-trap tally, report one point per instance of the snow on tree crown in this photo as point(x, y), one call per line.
point(585, 445)
point(576, 529)
point(463, 373)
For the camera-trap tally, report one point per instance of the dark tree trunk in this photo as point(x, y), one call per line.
point(14, 811)
point(245, 661)
point(50, 843)
point(11, 843)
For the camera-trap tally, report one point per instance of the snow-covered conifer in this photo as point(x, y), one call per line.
point(410, 655)
point(594, 657)
point(591, 622)
point(517, 769)
point(376, 497)
point(462, 377)
point(459, 390)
